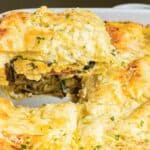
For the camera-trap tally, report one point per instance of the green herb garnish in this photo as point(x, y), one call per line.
point(27, 142)
point(141, 123)
point(117, 136)
point(43, 105)
point(97, 147)
point(122, 63)
point(146, 140)
point(23, 146)
point(39, 39)
point(112, 118)
point(64, 134)
point(67, 16)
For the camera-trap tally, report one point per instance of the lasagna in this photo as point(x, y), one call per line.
point(128, 78)
point(46, 52)
point(103, 66)
point(86, 126)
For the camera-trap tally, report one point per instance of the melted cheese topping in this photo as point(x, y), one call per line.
point(52, 126)
point(86, 126)
point(133, 132)
point(31, 70)
point(114, 112)
point(73, 36)
point(129, 39)
point(120, 84)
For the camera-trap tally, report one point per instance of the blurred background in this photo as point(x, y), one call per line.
point(6, 5)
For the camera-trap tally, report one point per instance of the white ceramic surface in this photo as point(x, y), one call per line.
point(108, 14)
point(111, 14)
point(132, 6)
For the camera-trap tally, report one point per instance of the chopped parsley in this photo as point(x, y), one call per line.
point(64, 134)
point(55, 139)
point(27, 142)
point(39, 39)
point(112, 118)
point(146, 140)
point(141, 123)
point(43, 105)
point(31, 111)
point(122, 63)
point(67, 16)
point(23, 146)
point(97, 147)
point(117, 136)
point(84, 46)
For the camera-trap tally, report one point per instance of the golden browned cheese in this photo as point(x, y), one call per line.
point(129, 79)
point(125, 36)
point(68, 41)
point(72, 36)
point(117, 112)
point(135, 79)
point(119, 84)
point(49, 127)
point(106, 126)
point(69, 126)
point(147, 39)
point(113, 112)
point(130, 39)
point(132, 132)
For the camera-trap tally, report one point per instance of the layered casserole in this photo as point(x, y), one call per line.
point(48, 49)
point(103, 66)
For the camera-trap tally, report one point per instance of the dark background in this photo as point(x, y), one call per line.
point(6, 5)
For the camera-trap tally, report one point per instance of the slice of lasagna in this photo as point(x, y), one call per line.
point(128, 78)
point(47, 53)
point(69, 126)
point(49, 127)
point(112, 126)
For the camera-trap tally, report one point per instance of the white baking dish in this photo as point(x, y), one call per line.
point(111, 14)
point(108, 14)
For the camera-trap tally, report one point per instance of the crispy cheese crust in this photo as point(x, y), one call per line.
point(75, 126)
point(73, 36)
point(37, 128)
point(130, 39)
point(50, 44)
point(129, 78)
point(113, 112)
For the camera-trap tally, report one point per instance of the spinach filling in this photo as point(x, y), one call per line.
point(54, 85)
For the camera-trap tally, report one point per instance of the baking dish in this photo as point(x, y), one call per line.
point(108, 14)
